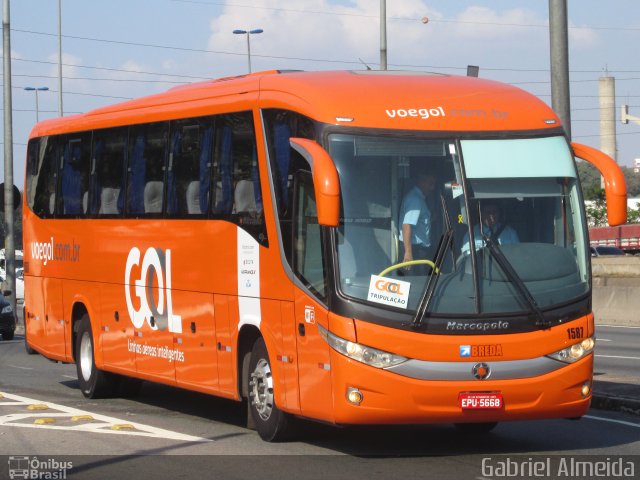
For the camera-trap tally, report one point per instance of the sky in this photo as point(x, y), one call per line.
point(120, 49)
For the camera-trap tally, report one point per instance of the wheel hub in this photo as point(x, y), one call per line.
point(261, 389)
point(86, 356)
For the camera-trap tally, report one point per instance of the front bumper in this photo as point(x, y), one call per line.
point(390, 398)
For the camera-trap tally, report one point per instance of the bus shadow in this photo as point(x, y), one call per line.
point(178, 400)
point(535, 437)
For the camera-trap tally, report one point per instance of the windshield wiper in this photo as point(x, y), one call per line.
point(446, 242)
point(515, 279)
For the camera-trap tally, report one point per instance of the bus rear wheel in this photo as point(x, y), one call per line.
point(272, 424)
point(94, 383)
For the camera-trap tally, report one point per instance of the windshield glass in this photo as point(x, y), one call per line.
point(400, 196)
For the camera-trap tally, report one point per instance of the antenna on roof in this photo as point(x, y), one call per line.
point(363, 62)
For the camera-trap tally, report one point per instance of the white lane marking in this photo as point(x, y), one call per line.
point(617, 356)
point(70, 376)
point(611, 420)
point(100, 424)
point(603, 340)
point(21, 368)
point(615, 326)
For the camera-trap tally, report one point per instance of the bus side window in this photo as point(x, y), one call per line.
point(308, 261)
point(74, 184)
point(45, 178)
point(107, 173)
point(189, 169)
point(237, 195)
point(33, 166)
point(146, 170)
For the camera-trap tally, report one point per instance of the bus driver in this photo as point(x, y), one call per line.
point(415, 221)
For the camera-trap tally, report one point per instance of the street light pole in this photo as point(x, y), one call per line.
point(559, 44)
point(60, 110)
point(37, 89)
point(383, 34)
point(248, 33)
point(9, 244)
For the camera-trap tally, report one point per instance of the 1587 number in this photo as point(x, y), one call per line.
point(575, 332)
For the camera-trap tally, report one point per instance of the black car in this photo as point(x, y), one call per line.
point(7, 319)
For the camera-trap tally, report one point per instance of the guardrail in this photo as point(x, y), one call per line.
point(616, 290)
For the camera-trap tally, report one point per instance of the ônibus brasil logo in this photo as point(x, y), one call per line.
point(158, 313)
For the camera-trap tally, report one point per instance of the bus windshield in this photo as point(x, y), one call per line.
point(519, 240)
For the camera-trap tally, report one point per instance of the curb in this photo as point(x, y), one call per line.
point(602, 401)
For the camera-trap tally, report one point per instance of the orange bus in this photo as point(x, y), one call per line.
point(243, 237)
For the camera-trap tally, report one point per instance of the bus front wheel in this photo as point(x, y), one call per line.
point(94, 383)
point(272, 424)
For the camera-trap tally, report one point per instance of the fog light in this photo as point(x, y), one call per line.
point(586, 389)
point(354, 396)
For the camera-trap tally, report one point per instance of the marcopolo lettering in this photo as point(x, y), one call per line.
point(477, 326)
point(156, 265)
point(424, 113)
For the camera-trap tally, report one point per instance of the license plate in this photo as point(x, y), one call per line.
point(480, 401)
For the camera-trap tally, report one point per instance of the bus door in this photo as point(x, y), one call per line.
point(54, 323)
point(118, 341)
point(314, 365)
point(34, 311)
point(194, 352)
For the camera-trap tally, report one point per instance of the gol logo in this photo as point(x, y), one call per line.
point(158, 313)
point(386, 286)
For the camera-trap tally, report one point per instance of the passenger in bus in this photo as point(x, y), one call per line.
point(415, 223)
point(492, 227)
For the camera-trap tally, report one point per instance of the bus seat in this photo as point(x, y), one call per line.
point(244, 197)
point(193, 198)
point(85, 202)
point(109, 201)
point(153, 197)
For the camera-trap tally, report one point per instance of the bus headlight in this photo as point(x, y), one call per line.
point(361, 353)
point(575, 352)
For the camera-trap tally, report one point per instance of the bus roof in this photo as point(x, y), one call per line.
point(374, 99)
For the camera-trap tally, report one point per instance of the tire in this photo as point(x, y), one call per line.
point(271, 423)
point(8, 335)
point(472, 428)
point(94, 383)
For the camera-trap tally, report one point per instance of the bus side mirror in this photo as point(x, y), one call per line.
point(615, 187)
point(325, 180)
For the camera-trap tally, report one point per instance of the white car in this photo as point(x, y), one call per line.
point(19, 284)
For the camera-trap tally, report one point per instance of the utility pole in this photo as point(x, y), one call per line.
point(559, 42)
point(383, 34)
point(60, 110)
point(9, 246)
